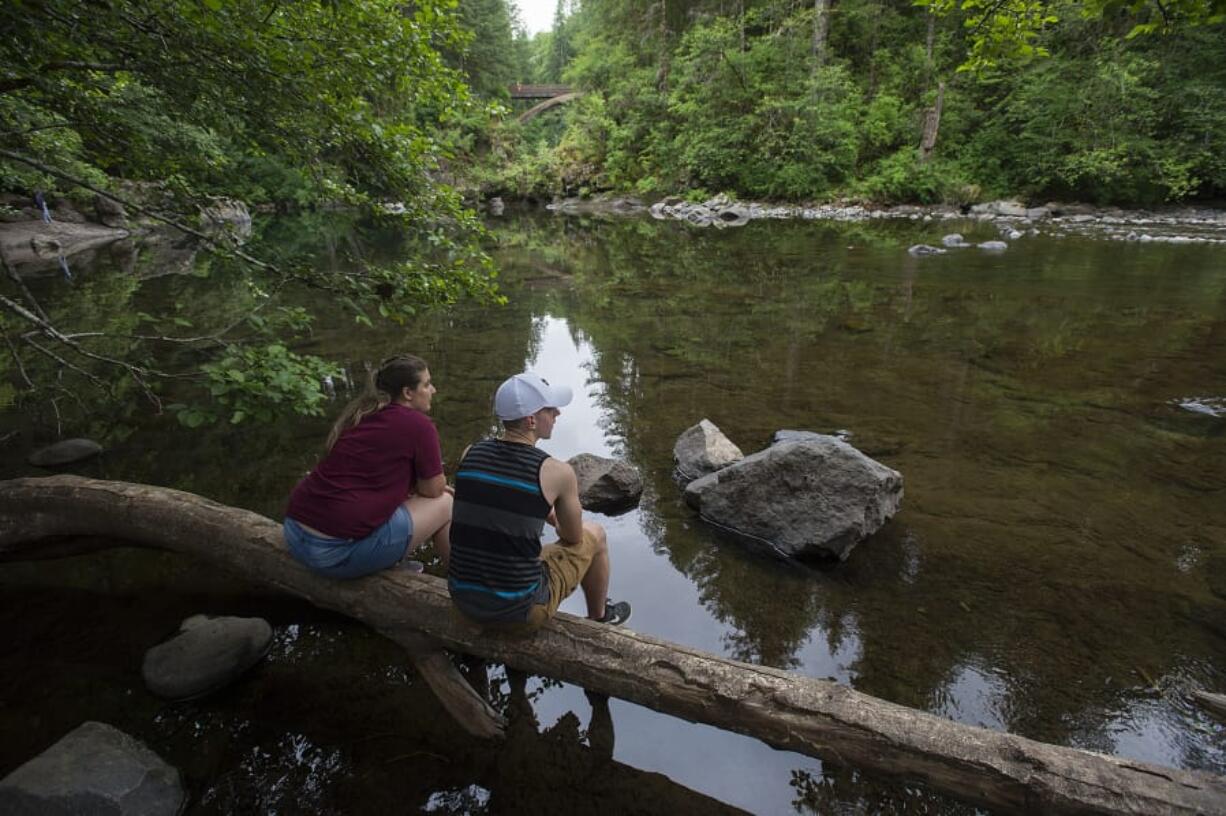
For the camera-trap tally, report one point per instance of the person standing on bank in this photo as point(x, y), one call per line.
point(506, 490)
point(380, 491)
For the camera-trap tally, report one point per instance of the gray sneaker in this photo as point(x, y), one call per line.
point(615, 612)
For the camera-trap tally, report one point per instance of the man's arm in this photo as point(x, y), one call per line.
point(559, 482)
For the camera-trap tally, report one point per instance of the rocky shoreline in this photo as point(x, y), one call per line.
point(1176, 225)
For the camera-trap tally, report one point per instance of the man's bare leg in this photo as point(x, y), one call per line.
point(596, 582)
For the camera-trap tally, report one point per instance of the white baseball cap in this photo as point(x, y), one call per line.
point(525, 394)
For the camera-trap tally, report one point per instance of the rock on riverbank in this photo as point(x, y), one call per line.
point(1176, 225)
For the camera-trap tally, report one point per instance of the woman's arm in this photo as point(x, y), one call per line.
point(433, 487)
point(429, 458)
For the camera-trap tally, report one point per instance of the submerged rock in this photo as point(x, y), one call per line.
point(703, 449)
point(924, 249)
point(94, 769)
point(954, 239)
point(606, 485)
point(65, 452)
point(206, 654)
point(994, 246)
point(807, 495)
point(800, 436)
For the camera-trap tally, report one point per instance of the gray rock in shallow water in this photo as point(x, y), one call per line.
point(954, 239)
point(94, 769)
point(703, 449)
point(814, 495)
point(606, 485)
point(994, 246)
point(65, 452)
point(924, 249)
point(206, 654)
point(799, 436)
point(734, 215)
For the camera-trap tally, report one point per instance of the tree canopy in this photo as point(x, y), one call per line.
point(1110, 102)
point(315, 102)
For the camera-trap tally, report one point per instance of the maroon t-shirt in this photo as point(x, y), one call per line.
point(372, 468)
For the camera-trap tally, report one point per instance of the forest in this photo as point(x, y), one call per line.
point(1109, 103)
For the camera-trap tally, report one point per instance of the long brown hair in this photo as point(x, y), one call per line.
point(385, 384)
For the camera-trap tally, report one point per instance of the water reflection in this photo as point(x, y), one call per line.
point(1062, 533)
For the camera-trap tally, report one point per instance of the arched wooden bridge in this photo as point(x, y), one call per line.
point(552, 96)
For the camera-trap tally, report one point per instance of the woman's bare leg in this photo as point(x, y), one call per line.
point(431, 520)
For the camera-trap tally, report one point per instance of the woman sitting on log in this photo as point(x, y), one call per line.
point(380, 490)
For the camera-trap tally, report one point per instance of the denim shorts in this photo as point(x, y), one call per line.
point(349, 557)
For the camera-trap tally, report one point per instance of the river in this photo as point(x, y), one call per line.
point(1058, 569)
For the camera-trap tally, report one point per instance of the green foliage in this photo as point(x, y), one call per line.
point(298, 105)
point(901, 178)
point(1001, 31)
point(488, 57)
point(259, 382)
point(1113, 125)
point(1062, 103)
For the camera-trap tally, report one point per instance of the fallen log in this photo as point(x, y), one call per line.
point(240, 541)
point(814, 717)
point(1213, 703)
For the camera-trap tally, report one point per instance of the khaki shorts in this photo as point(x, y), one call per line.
point(567, 565)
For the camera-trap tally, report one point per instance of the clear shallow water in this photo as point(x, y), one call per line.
point(1058, 569)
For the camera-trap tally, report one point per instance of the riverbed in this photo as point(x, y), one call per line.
point(1058, 569)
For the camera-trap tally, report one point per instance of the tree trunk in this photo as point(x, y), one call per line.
point(814, 717)
point(932, 126)
point(665, 60)
point(875, 10)
point(932, 35)
point(821, 27)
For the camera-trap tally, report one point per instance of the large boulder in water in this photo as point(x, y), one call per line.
point(703, 449)
point(807, 495)
point(206, 654)
point(93, 769)
point(65, 452)
point(606, 485)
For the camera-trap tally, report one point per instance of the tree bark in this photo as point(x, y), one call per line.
point(814, 717)
point(821, 28)
point(932, 126)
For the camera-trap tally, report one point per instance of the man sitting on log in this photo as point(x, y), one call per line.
point(506, 489)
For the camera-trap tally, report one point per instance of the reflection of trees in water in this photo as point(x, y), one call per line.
point(838, 789)
point(1034, 542)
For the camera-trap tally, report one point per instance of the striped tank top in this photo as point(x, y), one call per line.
point(496, 572)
